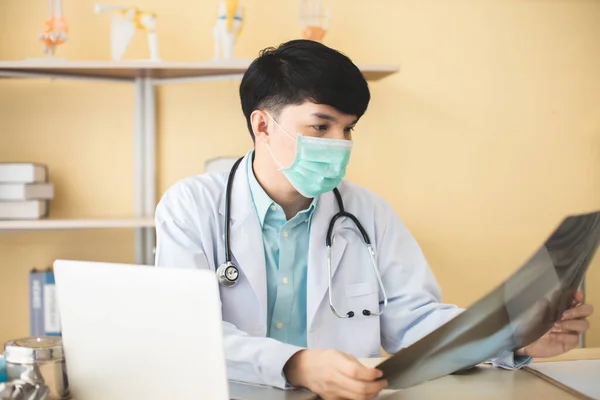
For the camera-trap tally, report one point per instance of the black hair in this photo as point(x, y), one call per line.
point(299, 71)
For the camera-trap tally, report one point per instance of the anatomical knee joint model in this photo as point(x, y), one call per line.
point(228, 27)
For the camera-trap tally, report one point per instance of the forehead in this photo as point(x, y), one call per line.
point(315, 112)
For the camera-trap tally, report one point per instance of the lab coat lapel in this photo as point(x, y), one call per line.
point(246, 241)
point(317, 255)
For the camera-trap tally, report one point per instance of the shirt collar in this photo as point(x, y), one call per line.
point(262, 201)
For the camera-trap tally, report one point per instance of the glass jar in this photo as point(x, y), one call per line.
point(38, 359)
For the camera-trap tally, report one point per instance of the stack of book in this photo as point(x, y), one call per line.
point(25, 191)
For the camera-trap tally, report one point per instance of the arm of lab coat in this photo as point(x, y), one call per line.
point(415, 308)
point(257, 360)
point(414, 296)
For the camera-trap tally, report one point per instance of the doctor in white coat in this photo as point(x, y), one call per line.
point(302, 101)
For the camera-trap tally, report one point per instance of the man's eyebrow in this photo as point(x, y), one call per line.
point(329, 117)
point(326, 117)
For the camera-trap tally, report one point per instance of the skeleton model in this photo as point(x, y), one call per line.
point(124, 23)
point(314, 19)
point(228, 27)
point(56, 29)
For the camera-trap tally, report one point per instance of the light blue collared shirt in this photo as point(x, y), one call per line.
point(286, 255)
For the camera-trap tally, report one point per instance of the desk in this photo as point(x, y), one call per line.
point(575, 372)
point(483, 382)
point(575, 354)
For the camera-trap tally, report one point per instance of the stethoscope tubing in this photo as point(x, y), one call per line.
point(227, 273)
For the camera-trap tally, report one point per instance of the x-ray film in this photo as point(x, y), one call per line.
point(515, 314)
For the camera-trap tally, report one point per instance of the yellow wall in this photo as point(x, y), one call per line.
point(485, 139)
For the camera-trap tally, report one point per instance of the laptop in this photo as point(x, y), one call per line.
point(140, 332)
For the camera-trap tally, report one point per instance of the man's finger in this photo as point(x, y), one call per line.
point(349, 388)
point(578, 298)
point(582, 311)
point(573, 325)
point(353, 369)
point(568, 339)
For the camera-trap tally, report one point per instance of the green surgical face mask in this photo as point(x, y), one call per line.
point(319, 165)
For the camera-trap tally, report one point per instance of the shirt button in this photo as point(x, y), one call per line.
point(285, 280)
point(273, 207)
point(280, 325)
point(285, 234)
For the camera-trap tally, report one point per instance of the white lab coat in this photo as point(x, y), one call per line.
point(189, 224)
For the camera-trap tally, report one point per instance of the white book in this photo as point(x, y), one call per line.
point(23, 173)
point(29, 209)
point(26, 191)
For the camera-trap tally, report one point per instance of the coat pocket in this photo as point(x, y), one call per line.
point(363, 333)
point(362, 296)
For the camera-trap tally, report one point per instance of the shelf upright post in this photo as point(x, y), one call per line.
point(149, 170)
point(138, 165)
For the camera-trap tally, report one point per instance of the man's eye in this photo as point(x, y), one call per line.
point(320, 128)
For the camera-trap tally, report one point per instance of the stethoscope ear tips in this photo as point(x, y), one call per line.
point(366, 313)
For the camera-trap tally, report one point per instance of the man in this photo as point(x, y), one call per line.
point(302, 101)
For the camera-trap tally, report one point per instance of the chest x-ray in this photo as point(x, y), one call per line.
point(515, 314)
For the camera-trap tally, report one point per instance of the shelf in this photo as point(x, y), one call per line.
point(163, 70)
point(144, 76)
point(59, 224)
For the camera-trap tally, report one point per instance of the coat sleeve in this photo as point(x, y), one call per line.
point(415, 308)
point(179, 245)
point(414, 296)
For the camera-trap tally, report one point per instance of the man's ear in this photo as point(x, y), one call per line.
point(260, 125)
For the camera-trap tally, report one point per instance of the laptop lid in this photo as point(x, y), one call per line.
point(140, 332)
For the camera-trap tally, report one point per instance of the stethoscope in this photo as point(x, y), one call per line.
point(228, 273)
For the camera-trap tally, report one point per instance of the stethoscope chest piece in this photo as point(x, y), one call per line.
point(227, 274)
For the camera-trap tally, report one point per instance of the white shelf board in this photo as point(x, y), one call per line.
point(128, 70)
point(62, 224)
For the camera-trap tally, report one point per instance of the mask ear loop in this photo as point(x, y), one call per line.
point(269, 146)
point(280, 127)
point(275, 158)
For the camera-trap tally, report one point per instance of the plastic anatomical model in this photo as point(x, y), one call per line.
point(56, 29)
point(124, 24)
point(228, 27)
point(314, 18)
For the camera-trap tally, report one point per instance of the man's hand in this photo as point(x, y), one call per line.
point(333, 375)
point(565, 334)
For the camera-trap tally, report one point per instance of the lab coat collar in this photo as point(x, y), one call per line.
point(317, 254)
point(260, 198)
point(246, 239)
